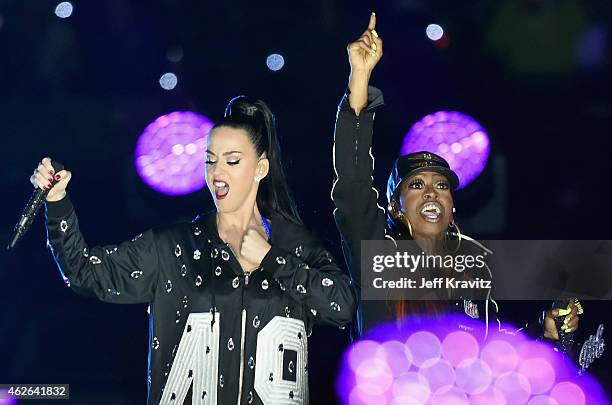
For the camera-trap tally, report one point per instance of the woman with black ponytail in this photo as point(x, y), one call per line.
point(235, 293)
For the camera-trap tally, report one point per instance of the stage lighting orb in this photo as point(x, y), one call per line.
point(168, 81)
point(504, 369)
point(568, 393)
point(456, 137)
point(434, 32)
point(275, 62)
point(169, 154)
point(424, 346)
point(64, 9)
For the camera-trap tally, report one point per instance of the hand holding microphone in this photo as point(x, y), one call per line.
point(50, 180)
point(54, 179)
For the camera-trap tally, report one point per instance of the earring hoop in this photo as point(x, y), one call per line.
point(447, 238)
point(397, 213)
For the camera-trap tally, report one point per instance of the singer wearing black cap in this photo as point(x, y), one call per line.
point(420, 201)
point(234, 294)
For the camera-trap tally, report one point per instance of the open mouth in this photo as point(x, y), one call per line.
point(221, 189)
point(431, 212)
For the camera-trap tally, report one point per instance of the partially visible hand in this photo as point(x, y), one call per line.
point(365, 52)
point(44, 176)
point(254, 247)
point(570, 321)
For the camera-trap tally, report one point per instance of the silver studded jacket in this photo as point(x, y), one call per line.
point(217, 335)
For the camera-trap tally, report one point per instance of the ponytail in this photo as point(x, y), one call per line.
point(256, 119)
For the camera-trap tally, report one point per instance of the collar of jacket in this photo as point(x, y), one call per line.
point(208, 221)
point(283, 234)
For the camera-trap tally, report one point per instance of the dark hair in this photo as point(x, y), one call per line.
point(256, 119)
point(396, 229)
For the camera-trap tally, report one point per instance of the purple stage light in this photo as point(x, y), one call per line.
point(456, 137)
point(6, 399)
point(169, 155)
point(438, 363)
point(424, 346)
point(459, 346)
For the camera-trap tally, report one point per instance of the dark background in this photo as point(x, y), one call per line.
point(537, 74)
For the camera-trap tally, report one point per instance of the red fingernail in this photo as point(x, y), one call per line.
point(49, 185)
point(57, 177)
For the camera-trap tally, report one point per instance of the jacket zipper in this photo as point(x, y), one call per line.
point(244, 314)
point(243, 329)
point(242, 333)
point(356, 143)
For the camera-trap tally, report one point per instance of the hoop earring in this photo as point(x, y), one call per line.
point(407, 223)
point(452, 224)
point(397, 213)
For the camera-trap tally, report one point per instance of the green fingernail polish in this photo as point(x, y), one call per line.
point(563, 312)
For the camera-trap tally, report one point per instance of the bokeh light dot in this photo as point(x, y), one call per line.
point(439, 373)
point(275, 62)
point(424, 346)
point(515, 387)
point(500, 355)
point(491, 396)
point(168, 81)
point(540, 374)
point(374, 376)
point(411, 385)
point(358, 397)
point(64, 9)
point(459, 346)
point(542, 400)
point(361, 351)
point(466, 142)
point(449, 396)
point(568, 393)
point(474, 376)
point(160, 157)
point(397, 356)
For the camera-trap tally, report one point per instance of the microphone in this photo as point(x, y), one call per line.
point(566, 340)
point(31, 209)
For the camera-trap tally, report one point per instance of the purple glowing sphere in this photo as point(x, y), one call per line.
point(456, 137)
point(169, 155)
point(432, 361)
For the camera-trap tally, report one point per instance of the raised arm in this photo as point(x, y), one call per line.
point(125, 273)
point(357, 212)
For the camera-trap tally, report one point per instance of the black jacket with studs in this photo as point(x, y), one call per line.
point(253, 348)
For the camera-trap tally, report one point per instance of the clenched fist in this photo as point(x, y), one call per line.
point(254, 247)
point(44, 176)
point(570, 322)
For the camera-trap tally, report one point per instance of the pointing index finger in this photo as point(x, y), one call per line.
point(372, 23)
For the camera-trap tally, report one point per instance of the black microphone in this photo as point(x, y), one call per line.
point(31, 209)
point(566, 339)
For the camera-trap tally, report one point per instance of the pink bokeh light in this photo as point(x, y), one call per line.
point(455, 136)
point(170, 153)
